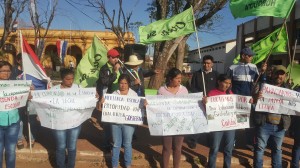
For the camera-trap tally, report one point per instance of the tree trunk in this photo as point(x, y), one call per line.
point(180, 54)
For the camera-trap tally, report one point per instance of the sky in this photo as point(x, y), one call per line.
point(77, 17)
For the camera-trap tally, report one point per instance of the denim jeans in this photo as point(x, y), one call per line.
point(263, 133)
point(8, 141)
point(296, 147)
point(66, 139)
point(122, 135)
point(215, 139)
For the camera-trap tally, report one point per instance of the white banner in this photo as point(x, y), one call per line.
point(64, 108)
point(176, 115)
point(228, 112)
point(13, 94)
point(123, 109)
point(278, 100)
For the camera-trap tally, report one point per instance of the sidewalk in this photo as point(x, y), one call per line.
point(146, 153)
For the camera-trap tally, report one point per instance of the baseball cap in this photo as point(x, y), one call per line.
point(113, 53)
point(247, 51)
point(280, 68)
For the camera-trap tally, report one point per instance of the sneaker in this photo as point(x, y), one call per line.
point(20, 144)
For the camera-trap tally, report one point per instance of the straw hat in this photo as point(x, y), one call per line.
point(133, 60)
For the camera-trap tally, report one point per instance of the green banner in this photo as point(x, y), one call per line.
point(276, 8)
point(150, 92)
point(168, 29)
point(295, 74)
point(263, 46)
point(87, 71)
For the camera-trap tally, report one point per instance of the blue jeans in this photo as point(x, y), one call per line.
point(122, 135)
point(216, 138)
point(8, 141)
point(66, 139)
point(263, 133)
point(296, 147)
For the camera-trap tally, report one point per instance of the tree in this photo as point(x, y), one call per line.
point(41, 21)
point(117, 22)
point(11, 11)
point(204, 11)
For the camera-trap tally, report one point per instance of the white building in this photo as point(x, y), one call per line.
point(223, 54)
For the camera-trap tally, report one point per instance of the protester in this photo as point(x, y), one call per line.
point(122, 133)
point(296, 132)
point(108, 83)
point(223, 88)
point(66, 139)
point(172, 144)
point(210, 82)
point(243, 76)
point(270, 127)
point(9, 125)
point(137, 82)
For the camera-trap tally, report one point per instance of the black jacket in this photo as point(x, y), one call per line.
point(210, 80)
point(106, 79)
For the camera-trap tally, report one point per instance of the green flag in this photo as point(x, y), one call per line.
point(263, 46)
point(87, 71)
point(276, 8)
point(168, 29)
point(295, 74)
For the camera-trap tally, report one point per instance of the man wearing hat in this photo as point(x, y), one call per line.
point(137, 74)
point(270, 126)
point(108, 83)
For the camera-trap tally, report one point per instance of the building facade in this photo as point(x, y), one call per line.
point(78, 43)
point(223, 54)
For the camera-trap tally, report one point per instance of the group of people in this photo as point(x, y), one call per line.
point(128, 80)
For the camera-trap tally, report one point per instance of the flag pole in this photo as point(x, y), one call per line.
point(293, 57)
point(24, 78)
point(199, 53)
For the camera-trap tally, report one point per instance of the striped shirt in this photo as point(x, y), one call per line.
point(242, 76)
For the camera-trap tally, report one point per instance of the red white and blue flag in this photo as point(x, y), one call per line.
point(32, 66)
point(61, 49)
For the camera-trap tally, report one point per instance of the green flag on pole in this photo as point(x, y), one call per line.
point(87, 71)
point(168, 29)
point(276, 8)
point(263, 46)
point(295, 74)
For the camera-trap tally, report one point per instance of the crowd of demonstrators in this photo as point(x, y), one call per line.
point(210, 82)
point(240, 78)
point(66, 140)
point(108, 83)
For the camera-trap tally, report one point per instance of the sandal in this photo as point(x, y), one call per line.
point(20, 144)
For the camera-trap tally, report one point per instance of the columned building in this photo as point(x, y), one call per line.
point(78, 43)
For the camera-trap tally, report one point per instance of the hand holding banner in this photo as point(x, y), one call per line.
point(13, 94)
point(65, 108)
point(176, 115)
point(228, 112)
point(123, 109)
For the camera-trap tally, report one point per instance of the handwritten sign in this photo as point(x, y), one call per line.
point(123, 109)
point(13, 94)
point(176, 115)
point(278, 100)
point(228, 112)
point(65, 108)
